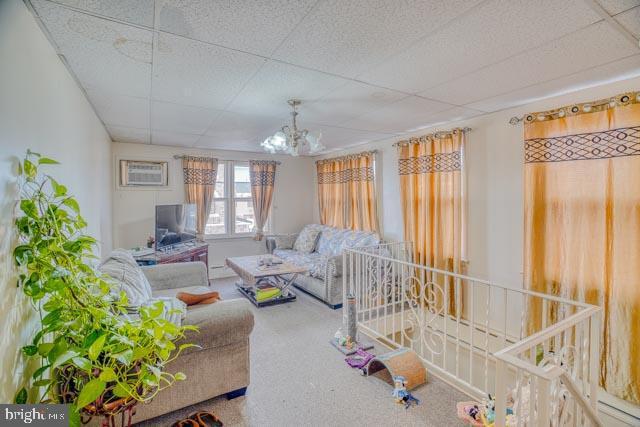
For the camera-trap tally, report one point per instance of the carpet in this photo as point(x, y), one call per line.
point(299, 379)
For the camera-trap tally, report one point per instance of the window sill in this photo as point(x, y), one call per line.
point(223, 237)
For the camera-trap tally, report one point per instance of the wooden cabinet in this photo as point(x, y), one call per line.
point(184, 253)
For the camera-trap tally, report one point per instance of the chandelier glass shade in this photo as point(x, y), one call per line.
point(291, 140)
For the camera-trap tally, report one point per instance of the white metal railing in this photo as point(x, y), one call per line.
point(477, 335)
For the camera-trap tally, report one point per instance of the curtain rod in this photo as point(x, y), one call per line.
point(182, 156)
point(439, 134)
point(575, 109)
point(347, 156)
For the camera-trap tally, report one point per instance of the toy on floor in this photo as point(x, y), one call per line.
point(360, 360)
point(343, 340)
point(401, 394)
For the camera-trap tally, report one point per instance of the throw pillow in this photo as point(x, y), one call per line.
point(122, 267)
point(285, 241)
point(306, 241)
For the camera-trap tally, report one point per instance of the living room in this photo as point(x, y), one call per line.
point(320, 212)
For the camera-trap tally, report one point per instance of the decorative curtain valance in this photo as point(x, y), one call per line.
point(347, 191)
point(433, 199)
point(199, 175)
point(582, 223)
point(263, 176)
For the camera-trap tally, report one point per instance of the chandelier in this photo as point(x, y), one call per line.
point(290, 139)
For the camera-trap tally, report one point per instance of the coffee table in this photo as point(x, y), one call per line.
point(252, 274)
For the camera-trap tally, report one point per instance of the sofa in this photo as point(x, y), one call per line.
point(324, 263)
point(221, 365)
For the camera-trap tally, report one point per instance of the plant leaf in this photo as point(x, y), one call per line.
point(179, 376)
point(73, 204)
point(21, 396)
point(121, 390)
point(64, 357)
point(82, 363)
point(124, 357)
point(74, 416)
point(42, 383)
point(47, 161)
point(108, 374)
point(96, 347)
point(41, 370)
point(90, 392)
point(29, 350)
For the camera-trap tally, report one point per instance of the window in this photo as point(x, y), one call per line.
point(232, 209)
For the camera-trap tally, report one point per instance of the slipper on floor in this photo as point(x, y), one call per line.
point(206, 419)
point(187, 422)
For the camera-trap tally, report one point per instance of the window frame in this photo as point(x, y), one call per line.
point(229, 201)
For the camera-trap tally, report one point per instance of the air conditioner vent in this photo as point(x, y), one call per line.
point(140, 173)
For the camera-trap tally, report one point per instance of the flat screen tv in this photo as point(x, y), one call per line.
point(175, 224)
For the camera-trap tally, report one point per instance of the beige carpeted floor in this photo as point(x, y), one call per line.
point(299, 379)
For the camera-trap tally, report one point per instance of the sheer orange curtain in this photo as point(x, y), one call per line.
point(263, 178)
point(199, 175)
point(347, 192)
point(432, 192)
point(582, 223)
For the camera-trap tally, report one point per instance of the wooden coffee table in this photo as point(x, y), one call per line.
point(252, 274)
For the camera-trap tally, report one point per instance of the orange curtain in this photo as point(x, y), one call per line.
point(432, 193)
point(263, 177)
point(582, 223)
point(347, 193)
point(199, 175)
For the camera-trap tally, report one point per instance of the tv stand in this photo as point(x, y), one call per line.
point(185, 252)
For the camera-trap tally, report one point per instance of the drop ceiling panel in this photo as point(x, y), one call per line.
point(616, 6)
point(173, 138)
point(336, 137)
point(125, 134)
point(103, 54)
point(212, 142)
point(595, 45)
point(194, 73)
point(493, 31)
point(408, 113)
point(346, 37)
point(631, 21)
point(234, 127)
point(618, 70)
point(275, 83)
point(138, 12)
point(451, 115)
point(119, 110)
point(348, 102)
point(253, 26)
point(181, 118)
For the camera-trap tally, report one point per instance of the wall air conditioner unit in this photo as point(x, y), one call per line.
point(134, 173)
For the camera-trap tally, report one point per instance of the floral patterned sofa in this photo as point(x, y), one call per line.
point(324, 263)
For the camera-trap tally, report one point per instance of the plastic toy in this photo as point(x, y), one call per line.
point(401, 394)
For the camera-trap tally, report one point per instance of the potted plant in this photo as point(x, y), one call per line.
point(93, 354)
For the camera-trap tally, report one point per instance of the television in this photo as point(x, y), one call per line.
point(175, 224)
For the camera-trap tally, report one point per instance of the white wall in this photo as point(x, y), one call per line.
point(495, 159)
point(42, 108)
point(134, 208)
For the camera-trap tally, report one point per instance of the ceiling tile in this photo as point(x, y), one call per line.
point(347, 37)
point(338, 137)
point(249, 25)
point(618, 70)
point(275, 83)
point(102, 54)
point(181, 118)
point(125, 134)
point(138, 12)
point(454, 114)
point(616, 6)
point(214, 142)
point(233, 127)
point(492, 32)
point(190, 72)
point(631, 21)
point(173, 138)
point(119, 110)
point(595, 45)
point(408, 113)
point(349, 101)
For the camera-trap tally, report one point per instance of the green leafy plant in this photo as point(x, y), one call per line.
point(92, 354)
